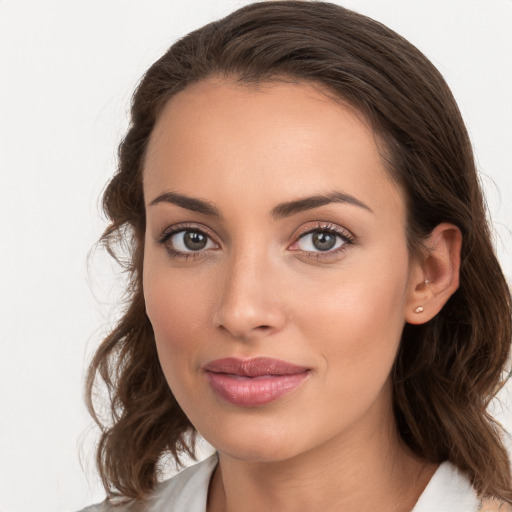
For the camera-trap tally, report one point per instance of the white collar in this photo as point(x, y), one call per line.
point(449, 490)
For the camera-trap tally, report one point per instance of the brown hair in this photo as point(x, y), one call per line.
point(448, 369)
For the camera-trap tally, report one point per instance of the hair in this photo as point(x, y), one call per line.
point(448, 369)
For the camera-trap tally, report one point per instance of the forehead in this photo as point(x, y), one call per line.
point(274, 138)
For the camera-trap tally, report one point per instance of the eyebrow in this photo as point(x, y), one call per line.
point(190, 203)
point(280, 211)
point(308, 203)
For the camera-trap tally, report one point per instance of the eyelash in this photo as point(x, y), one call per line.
point(346, 237)
point(182, 228)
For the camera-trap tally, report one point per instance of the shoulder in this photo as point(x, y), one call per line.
point(450, 490)
point(185, 492)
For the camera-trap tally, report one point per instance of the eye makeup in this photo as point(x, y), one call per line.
point(193, 235)
point(329, 240)
point(319, 240)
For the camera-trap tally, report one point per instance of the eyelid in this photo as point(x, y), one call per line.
point(325, 226)
point(185, 226)
point(309, 228)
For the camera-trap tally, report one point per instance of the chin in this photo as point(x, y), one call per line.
point(261, 452)
point(258, 441)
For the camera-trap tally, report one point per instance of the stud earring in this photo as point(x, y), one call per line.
point(419, 309)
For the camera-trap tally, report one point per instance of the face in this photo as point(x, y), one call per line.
point(276, 271)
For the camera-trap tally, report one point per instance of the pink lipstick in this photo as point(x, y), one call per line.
point(253, 382)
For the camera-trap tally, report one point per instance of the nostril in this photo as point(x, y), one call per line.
point(244, 316)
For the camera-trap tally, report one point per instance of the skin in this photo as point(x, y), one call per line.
point(259, 289)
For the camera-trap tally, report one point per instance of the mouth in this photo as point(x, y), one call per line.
point(253, 382)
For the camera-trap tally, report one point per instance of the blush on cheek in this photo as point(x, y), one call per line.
point(168, 310)
point(173, 354)
point(176, 322)
point(364, 338)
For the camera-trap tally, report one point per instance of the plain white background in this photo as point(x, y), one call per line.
point(68, 68)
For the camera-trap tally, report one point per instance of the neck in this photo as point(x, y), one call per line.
point(365, 470)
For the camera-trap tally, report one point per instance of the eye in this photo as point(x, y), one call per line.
point(186, 242)
point(319, 241)
point(322, 239)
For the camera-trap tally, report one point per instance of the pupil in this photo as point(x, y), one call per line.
point(324, 241)
point(194, 240)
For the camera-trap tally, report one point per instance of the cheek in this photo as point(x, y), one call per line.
point(174, 314)
point(356, 325)
point(178, 319)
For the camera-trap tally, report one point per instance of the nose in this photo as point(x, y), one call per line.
point(250, 301)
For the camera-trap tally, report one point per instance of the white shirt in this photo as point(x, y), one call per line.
point(449, 490)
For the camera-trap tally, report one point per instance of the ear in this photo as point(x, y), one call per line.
point(434, 277)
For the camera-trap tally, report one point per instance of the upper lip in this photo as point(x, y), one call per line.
point(255, 367)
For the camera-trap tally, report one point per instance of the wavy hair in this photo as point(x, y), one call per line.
point(447, 370)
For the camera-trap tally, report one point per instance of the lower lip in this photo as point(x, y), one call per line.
point(253, 391)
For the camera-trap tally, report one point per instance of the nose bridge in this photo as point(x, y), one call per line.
point(248, 300)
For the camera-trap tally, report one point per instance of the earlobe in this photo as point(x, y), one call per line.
point(435, 277)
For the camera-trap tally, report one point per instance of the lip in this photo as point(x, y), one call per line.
point(253, 382)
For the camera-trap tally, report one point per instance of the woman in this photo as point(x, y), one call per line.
point(313, 288)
